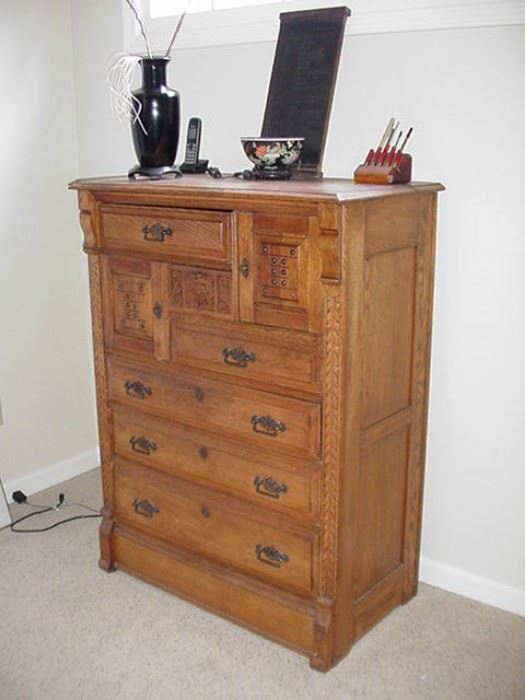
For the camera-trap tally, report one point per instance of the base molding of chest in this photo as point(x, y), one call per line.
point(280, 616)
point(303, 625)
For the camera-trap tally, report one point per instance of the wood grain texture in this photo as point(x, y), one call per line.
point(420, 387)
point(263, 439)
point(382, 496)
point(250, 352)
point(205, 236)
point(208, 524)
point(287, 620)
point(388, 338)
point(196, 455)
point(293, 426)
point(104, 417)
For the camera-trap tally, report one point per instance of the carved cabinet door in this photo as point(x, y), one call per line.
point(278, 266)
point(136, 303)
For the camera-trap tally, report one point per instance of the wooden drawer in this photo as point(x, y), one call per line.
point(153, 503)
point(266, 420)
point(198, 235)
point(215, 463)
point(264, 354)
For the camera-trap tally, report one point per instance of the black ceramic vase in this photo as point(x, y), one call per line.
point(156, 135)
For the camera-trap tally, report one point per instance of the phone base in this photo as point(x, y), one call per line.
point(194, 168)
point(154, 173)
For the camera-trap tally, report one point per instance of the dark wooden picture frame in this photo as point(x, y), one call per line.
point(303, 81)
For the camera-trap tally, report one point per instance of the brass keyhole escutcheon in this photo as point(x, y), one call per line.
point(157, 310)
point(244, 268)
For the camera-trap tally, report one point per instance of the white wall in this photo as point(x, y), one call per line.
point(45, 378)
point(462, 91)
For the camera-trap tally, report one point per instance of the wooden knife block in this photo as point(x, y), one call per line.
point(386, 174)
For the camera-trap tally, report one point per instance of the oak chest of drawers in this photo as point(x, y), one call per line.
point(261, 357)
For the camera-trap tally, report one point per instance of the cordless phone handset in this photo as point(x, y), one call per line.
point(193, 141)
point(192, 164)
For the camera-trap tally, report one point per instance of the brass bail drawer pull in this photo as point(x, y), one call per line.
point(136, 389)
point(268, 554)
point(156, 232)
point(145, 508)
point(266, 425)
point(142, 445)
point(238, 357)
point(267, 486)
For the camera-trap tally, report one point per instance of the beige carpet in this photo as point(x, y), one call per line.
point(68, 631)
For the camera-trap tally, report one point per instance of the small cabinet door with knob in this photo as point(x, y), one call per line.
point(135, 293)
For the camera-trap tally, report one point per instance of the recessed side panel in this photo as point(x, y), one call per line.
point(381, 488)
point(389, 287)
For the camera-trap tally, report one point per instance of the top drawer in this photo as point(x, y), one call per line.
point(197, 235)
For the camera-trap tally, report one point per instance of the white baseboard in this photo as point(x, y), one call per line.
point(53, 474)
point(464, 583)
point(5, 517)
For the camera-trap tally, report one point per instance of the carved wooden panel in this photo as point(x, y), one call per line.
point(281, 280)
point(132, 295)
point(278, 271)
point(204, 291)
point(135, 317)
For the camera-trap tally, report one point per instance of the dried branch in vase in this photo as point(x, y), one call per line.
point(135, 11)
point(121, 72)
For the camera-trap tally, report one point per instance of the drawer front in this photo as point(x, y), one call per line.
point(264, 354)
point(157, 505)
point(201, 235)
point(194, 455)
point(270, 422)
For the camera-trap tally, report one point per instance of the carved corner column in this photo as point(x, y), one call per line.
point(324, 624)
point(89, 224)
point(331, 260)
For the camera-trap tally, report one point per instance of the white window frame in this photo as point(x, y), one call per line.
point(257, 23)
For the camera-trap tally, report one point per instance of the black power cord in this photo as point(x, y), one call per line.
point(20, 497)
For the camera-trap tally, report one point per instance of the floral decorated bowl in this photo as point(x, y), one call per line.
point(272, 153)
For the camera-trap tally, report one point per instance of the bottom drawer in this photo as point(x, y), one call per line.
point(152, 502)
point(290, 622)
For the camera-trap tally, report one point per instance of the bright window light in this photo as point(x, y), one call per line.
point(167, 8)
